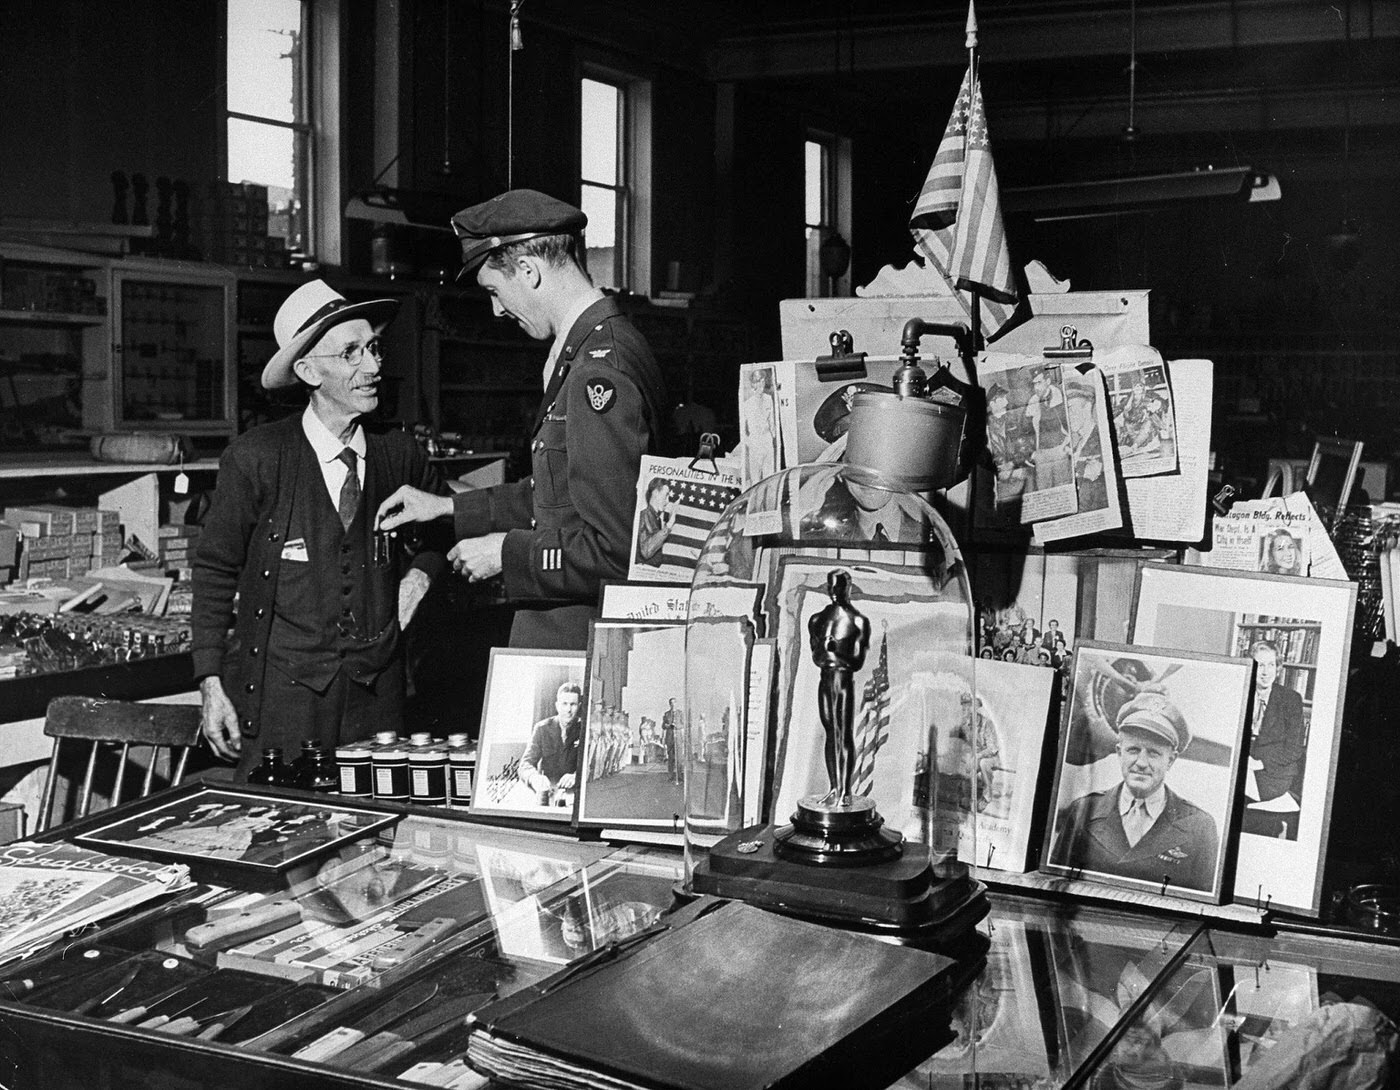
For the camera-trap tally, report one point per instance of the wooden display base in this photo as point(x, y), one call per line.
point(901, 896)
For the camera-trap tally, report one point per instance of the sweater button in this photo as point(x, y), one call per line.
point(267, 573)
point(273, 536)
point(253, 652)
point(259, 612)
point(250, 688)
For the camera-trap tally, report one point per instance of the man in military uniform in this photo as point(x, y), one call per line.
point(557, 535)
point(1142, 829)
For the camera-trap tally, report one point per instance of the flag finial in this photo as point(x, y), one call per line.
point(971, 42)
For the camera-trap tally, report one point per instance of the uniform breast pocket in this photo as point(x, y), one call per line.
point(551, 465)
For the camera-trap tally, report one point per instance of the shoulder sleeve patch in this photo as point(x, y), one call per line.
point(602, 395)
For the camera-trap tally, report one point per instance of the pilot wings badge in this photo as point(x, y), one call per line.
point(600, 395)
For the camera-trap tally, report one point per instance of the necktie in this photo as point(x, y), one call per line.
point(880, 534)
point(1136, 822)
point(350, 490)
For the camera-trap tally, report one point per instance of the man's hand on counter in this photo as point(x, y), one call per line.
point(219, 719)
point(477, 558)
point(409, 504)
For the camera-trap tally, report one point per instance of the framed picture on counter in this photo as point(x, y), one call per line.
point(531, 734)
point(1149, 762)
point(240, 830)
point(1298, 633)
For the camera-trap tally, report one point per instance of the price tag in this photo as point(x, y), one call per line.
point(182, 483)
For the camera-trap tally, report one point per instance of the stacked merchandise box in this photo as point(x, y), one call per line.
point(231, 226)
point(59, 542)
point(176, 545)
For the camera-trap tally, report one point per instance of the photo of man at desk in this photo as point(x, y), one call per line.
point(555, 536)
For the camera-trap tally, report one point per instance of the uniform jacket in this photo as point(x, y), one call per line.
point(552, 749)
point(1279, 743)
point(1181, 845)
point(569, 525)
point(240, 550)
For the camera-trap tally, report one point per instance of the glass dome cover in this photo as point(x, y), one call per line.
point(760, 743)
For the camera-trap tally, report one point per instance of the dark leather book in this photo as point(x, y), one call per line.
point(722, 996)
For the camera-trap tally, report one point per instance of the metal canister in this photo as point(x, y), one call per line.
point(427, 771)
point(353, 764)
point(461, 770)
point(390, 767)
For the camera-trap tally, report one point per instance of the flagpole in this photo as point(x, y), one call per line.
point(971, 45)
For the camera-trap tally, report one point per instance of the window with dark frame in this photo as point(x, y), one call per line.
point(268, 122)
point(819, 216)
point(603, 190)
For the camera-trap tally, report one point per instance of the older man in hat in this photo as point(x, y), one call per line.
point(557, 535)
point(316, 650)
point(1142, 828)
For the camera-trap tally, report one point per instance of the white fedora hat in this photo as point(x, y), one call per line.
point(306, 314)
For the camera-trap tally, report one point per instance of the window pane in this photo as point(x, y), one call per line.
point(599, 136)
point(264, 51)
point(277, 158)
point(601, 235)
point(816, 179)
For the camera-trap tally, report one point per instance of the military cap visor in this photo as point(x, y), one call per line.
point(515, 216)
point(1154, 714)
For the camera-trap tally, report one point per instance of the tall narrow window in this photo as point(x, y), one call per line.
point(603, 155)
point(269, 124)
point(615, 172)
point(827, 212)
point(818, 216)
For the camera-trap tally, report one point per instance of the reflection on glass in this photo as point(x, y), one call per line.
point(1055, 983)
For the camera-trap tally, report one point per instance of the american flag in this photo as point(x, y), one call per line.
point(957, 218)
point(697, 506)
point(873, 727)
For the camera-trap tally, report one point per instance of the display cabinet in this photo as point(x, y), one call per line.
point(172, 349)
point(311, 977)
point(53, 343)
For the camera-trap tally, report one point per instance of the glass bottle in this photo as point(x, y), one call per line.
point(272, 772)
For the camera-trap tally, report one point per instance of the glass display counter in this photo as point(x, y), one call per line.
point(359, 965)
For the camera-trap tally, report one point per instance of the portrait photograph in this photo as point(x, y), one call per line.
point(1297, 632)
point(760, 434)
point(243, 831)
point(857, 510)
point(1151, 747)
point(631, 767)
point(820, 411)
point(531, 734)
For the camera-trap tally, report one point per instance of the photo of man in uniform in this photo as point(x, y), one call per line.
point(550, 762)
point(1142, 829)
point(654, 525)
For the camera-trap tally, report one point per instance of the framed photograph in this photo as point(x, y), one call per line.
point(243, 831)
point(677, 506)
point(1149, 763)
point(1298, 631)
point(531, 734)
point(1012, 727)
point(630, 770)
point(1331, 475)
point(717, 733)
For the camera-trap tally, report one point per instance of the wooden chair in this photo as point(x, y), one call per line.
point(172, 729)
